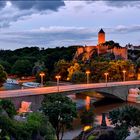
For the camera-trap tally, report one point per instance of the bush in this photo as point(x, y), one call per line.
point(78, 77)
point(9, 107)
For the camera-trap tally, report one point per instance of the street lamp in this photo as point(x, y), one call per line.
point(106, 74)
point(124, 72)
point(58, 77)
point(42, 74)
point(87, 73)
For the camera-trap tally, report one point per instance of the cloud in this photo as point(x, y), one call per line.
point(51, 36)
point(64, 36)
point(124, 29)
point(12, 11)
point(38, 5)
point(120, 3)
point(2, 4)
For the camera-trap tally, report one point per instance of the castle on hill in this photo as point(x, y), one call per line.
point(86, 52)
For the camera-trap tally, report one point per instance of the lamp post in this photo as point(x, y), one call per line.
point(87, 73)
point(58, 77)
point(106, 74)
point(42, 74)
point(124, 72)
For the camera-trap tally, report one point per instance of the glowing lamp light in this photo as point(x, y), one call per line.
point(87, 127)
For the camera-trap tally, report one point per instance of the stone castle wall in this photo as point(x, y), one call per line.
point(120, 52)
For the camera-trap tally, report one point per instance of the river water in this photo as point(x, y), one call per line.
point(99, 105)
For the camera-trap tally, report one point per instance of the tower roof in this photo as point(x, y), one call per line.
point(101, 31)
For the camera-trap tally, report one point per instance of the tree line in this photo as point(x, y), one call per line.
point(30, 61)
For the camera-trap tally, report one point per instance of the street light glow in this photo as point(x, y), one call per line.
point(87, 73)
point(124, 71)
point(106, 74)
point(58, 77)
point(42, 74)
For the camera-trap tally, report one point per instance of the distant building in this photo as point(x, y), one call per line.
point(88, 51)
point(132, 48)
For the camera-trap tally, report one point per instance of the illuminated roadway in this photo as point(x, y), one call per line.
point(64, 88)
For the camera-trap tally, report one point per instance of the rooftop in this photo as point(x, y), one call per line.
point(101, 31)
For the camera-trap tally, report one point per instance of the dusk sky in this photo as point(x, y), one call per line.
point(63, 23)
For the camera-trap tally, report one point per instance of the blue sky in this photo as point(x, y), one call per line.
point(63, 23)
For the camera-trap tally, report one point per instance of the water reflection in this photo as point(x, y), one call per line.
point(87, 102)
point(99, 105)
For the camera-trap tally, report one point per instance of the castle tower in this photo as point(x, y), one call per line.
point(101, 36)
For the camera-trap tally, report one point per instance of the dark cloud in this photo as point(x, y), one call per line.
point(2, 4)
point(38, 4)
point(120, 3)
point(25, 9)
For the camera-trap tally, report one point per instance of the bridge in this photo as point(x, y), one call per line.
point(35, 95)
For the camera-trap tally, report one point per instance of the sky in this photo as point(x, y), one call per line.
point(52, 23)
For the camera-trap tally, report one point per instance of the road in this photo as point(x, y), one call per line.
point(54, 89)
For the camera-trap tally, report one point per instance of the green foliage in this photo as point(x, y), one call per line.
point(91, 137)
point(38, 123)
point(22, 68)
point(78, 77)
point(74, 68)
point(123, 119)
point(121, 131)
point(38, 67)
point(87, 117)
point(34, 54)
point(127, 114)
point(97, 70)
point(60, 110)
point(6, 65)
point(111, 44)
point(3, 76)
point(9, 107)
point(61, 68)
point(35, 126)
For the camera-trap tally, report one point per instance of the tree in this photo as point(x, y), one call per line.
point(87, 117)
point(76, 67)
point(116, 68)
point(78, 77)
point(40, 127)
point(61, 68)
point(35, 127)
point(3, 76)
point(111, 44)
point(123, 119)
point(6, 66)
point(97, 70)
point(60, 110)
point(22, 68)
point(8, 107)
point(38, 67)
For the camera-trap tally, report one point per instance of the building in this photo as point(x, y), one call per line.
point(100, 48)
point(133, 48)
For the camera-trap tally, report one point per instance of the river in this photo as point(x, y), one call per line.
point(99, 105)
